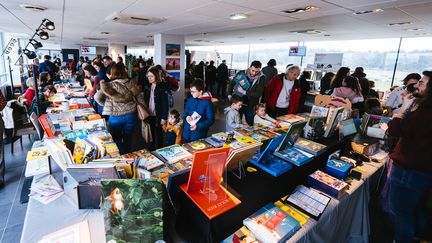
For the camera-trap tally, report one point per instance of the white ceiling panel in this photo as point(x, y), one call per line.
point(219, 10)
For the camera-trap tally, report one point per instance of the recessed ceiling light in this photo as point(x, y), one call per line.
point(400, 23)
point(377, 10)
point(327, 35)
point(308, 32)
point(34, 8)
point(104, 33)
point(413, 29)
point(149, 36)
point(204, 33)
point(238, 16)
point(300, 10)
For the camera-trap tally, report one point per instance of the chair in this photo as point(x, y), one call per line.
point(22, 125)
point(35, 121)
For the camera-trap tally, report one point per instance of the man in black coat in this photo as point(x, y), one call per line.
point(210, 76)
point(364, 82)
point(222, 78)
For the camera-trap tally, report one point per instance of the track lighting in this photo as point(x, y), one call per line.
point(29, 54)
point(43, 35)
point(49, 25)
point(36, 44)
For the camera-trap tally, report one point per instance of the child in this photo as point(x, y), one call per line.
point(262, 118)
point(232, 114)
point(197, 104)
point(48, 92)
point(172, 129)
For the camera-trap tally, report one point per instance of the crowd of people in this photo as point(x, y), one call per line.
point(257, 95)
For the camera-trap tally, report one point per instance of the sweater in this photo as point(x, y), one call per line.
point(117, 97)
point(29, 95)
point(413, 150)
point(204, 107)
point(266, 121)
point(233, 120)
point(345, 92)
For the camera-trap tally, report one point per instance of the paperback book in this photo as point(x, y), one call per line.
point(309, 200)
point(241, 235)
point(310, 146)
point(198, 145)
point(327, 184)
point(174, 153)
point(148, 161)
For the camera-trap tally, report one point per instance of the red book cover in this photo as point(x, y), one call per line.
point(275, 221)
point(47, 125)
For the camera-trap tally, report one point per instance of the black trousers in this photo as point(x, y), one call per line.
point(277, 112)
point(157, 133)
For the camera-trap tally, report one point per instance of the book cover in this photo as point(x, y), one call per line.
point(315, 128)
point(148, 161)
point(241, 81)
point(37, 167)
point(271, 224)
point(198, 145)
point(133, 210)
point(294, 156)
point(308, 200)
point(37, 153)
point(77, 233)
point(47, 125)
point(258, 137)
point(174, 153)
point(327, 184)
point(215, 142)
point(310, 146)
point(337, 168)
point(291, 118)
point(318, 111)
point(195, 118)
point(79, 151)
point(246, 140)
point(162, 174)
point(293, 212)
point(246, 131)
point(335, 113)
point(240, 236)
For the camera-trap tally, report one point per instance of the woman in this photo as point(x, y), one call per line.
point(44, 80)
point(325, 82)
point(341, 74)
point(30, 92)
point(351, 89)
point(101, 74)
point(156, 99)
point(200, 104)
point(119, 98)
point(47, 92)
point(91, 73)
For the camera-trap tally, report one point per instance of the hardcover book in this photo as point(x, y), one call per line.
point(337, 168)
point(271, 224)
point(174, 153)
point(47, 125)
point(133, 210)
point(301, 217)
point(246, 140)
point(215, 142)
point(258, 136)
point(294, 156)
point(291, 118)
point(335, 114)
point(310, 146)
point(198, 145)
point(241, 235)
point(327, 184)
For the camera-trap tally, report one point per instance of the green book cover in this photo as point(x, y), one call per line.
point(133, 210)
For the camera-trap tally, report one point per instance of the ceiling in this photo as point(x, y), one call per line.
point(205, 22)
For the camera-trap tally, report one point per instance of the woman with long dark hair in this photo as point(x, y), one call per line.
point(341, 74)
point(351, 89)
point(325, 82)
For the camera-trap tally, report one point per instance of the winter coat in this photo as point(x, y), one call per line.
point(160, 101)
point(233, 120)
point(269, 72)
point(117, 97)
point(273, 90)
point(210, 75)
point(222, 73)
point(204, 107)
point(254, 94)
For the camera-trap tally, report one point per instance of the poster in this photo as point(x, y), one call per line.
point(328, 61)
point(70, 56)
point(172, 50)
point(172, 63)
point(175, 75)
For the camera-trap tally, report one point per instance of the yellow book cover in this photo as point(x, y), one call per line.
point(296, 214)
point(79, 151)
point(37, 154)
point(246, 140)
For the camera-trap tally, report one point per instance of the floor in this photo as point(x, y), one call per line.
point(12, 212)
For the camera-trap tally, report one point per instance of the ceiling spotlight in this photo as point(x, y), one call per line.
point(300, 10)
point(50, 25)
point(43, 35)
point(30, 54)
point(36, 44)
point(238, 16)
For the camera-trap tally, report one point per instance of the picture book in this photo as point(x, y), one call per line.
point(37, 166)
point(327, 184)
point(203, 186)
point(310, 146)
point(241, 235)
point(269, 134)
point(294, 156)
point(246, 140)
point(291, 118)
point(195, 118)
point(269, 163)
point(181, 165)
point(335, 114)
point(174, 153)
point(246, 131)
point(37, 153)
point(162, 173)
point(315, 128)
point(197, 145)
point(77, 233)
point(258, 136)
point(79, 151)
point(215, 142)
point(148, 161)
point(133, 210)
point(241, 80)
point(309, 201)
point(47, 125)
point(271, 224)
point(301, 217)
point(319, 111)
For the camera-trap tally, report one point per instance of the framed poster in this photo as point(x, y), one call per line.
point(172, 50)
point(172, 63)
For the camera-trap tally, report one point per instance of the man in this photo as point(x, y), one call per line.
point(394, 100)
point(283, 93)
point(364, 82)
point(108, 62)
point(210, 76)
point(142, 74)
point(248, 84)
point(270, 71)
point(48, 66)
point(222, 76)
point(411, 176)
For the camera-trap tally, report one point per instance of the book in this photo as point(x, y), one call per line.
point(318, 111)
point(148, 161)
point(241, 156)
point(294, 156)
point(292, 211)
point(308, 200)
point(246, 140)
point(335, 114)
point(364, 145)
point(197, 145)
point(47, 125)
point(77, 233)
point(203, 186)
point(310, 146)
point(241, 235)
point(327, 184)
point(215, 142)
point(337, 168)
point(258, 137)
point(269, 163)
point(195, 118)
point(174, 153)
point(37, 153)
point(271, 224)
point(38, 166)
point(241, 80)
point(79, 150)
point(133, 210)
point(315, 128)
point(162, 173)
point(291, 118)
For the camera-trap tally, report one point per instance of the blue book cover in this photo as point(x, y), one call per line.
point(269, 163)
point(337, 168)
point(294, 156)
point(271, 224)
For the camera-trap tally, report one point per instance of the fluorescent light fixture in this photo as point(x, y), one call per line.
point(400, 23)
point(238, 16)
point(300, 10)
point(413, 29)
point(377, 10)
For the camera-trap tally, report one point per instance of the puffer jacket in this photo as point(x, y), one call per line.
point(117, 97)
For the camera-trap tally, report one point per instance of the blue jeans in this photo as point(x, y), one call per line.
point(121, 129)
point(407, 202)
